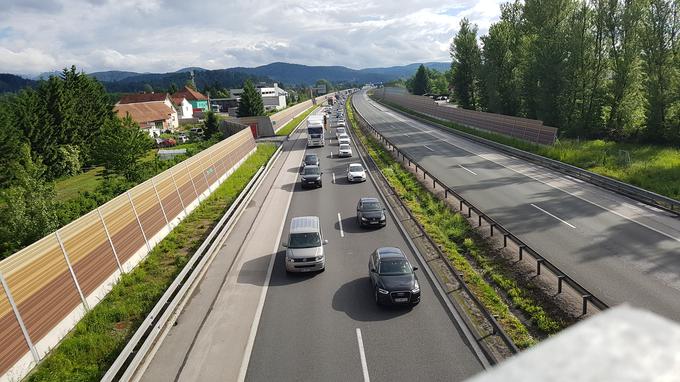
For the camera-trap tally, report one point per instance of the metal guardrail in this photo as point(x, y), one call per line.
point(125, 366)
point(541, 262)
point(496, 329)
point(633, 192)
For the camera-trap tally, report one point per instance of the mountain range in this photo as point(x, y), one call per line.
point(283, 73)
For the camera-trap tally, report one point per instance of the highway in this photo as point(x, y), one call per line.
point(249, 320)
point(619, 249)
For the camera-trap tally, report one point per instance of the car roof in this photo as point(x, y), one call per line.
point(310, 155)
point(344, 145)
point(304, 224)
point(355, 164)
point(368, 199)
point(311, 166)
point(386, 252)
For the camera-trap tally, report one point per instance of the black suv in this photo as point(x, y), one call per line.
point(370, 213)
point(311, 159)
point(311, 176)
point(393, 278)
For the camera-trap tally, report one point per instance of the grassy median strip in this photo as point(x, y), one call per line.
point(288, 128)
point(454, 234)
point(653, 168)
point(88, 351)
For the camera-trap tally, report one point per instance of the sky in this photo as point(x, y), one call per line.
point(165, 35)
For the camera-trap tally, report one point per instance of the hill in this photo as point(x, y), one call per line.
point(9, 83)
point(112, 75)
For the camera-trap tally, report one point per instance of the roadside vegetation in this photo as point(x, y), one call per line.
point(463, 246)
point(290, 126)
point(654, 168)
point(88, 351)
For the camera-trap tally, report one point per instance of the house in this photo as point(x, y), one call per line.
point(272, 97)
point(195, 98)
point(154, 112)
point(184, 108)
point(152, 117)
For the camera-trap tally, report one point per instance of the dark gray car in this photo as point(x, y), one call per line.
point(311, 176)
point(370, 213)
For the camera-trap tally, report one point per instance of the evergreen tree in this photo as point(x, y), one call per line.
point(466, 65)
point(172, 89)
point(251, 101)
point(419, 84)
point(211, 125)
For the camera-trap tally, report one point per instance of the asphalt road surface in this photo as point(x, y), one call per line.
point(619, 249)
point(244, 322)
point(315, 326)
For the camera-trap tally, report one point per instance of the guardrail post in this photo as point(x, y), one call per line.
point(586, 298)
point(416, 169)
point(521, 251)
point(17, 315)
point(469, 212)
point(148, 247)
point(446, 193)
point(434, 184)
point(108, 236)
point(70, 269)
point(559, 283)
point(538, 266)
point(479, 220)
point(460, 208)
point(491, 225)
point(505, 240)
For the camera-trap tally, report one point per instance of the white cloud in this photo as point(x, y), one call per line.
point(164, 35)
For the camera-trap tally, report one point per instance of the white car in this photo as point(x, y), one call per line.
point(345, 150)
point(340, 130)
point(356, 173)
point(341, 124)
point(343, 139)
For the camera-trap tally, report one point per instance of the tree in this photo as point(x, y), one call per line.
point(10, 144)
point(28, 211)
point(657, 42)
point(329, 86)
point(172, 89)
point(251, 101)
point(466, 64)
point(211, 125)
point(120, 146)
point(148, 88)
point(420, 81)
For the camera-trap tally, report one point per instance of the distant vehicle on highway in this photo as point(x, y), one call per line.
point(356, 173)
point(304, 248)
point(340, 130)
point(341, 123)
point(310, 160)
point(345, 150)
point(370, 212)
point(343, 139)
point(311, 176)
point(393, 278)
point(315, 131)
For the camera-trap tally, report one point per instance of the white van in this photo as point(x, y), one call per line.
point(304, 248)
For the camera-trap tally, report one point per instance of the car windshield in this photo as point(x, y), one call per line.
point(304, 240)
point(355, 168)
point(310, 159)
point(371, 206)
point(343, 136)
point(311, 171)
point(394, 267)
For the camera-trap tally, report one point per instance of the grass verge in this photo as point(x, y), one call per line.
point(653, 168)
point(458, 240)
point(68, 188)
point(288, 127)
point(88, 351)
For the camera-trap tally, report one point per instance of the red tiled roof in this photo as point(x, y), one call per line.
point(144, 112)
point(190, 94)
point(177, 100)
point(142, 97)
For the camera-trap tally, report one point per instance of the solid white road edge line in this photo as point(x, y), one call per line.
point(362, 354)
point(468, 170)
point(263, 296)
point(548, 213)
point(435, 134)
point(342, 233)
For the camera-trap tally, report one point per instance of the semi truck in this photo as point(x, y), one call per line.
point(315, 131)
